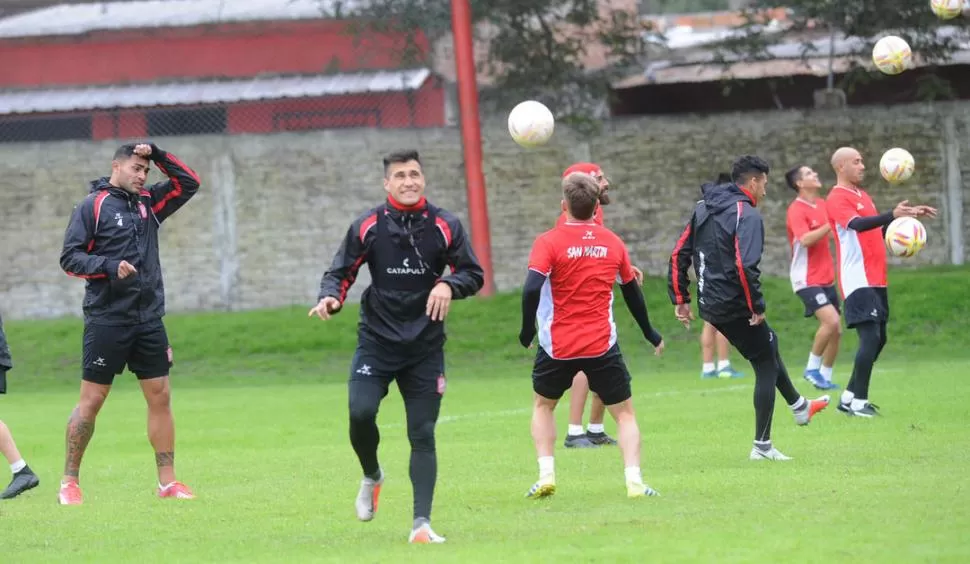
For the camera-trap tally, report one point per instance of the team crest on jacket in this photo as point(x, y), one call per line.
point(142, 210)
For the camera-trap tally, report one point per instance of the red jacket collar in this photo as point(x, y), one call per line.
point(420, 205)
point(750, 197)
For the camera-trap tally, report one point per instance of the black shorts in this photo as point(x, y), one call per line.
point(608, 376)
point(418, 375)
point(754, 342)
point(817, 297)
point(866, 304)
point(144, 348)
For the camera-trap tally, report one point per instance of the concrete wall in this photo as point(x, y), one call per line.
point(273, 208)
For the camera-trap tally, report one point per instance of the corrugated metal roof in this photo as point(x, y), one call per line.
point(74, 19)
point(711, 72)
point(785, 60)
point(207, 92)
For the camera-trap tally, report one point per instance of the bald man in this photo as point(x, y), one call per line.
point(862, 270)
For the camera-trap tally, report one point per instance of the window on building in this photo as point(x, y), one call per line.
point(192, 121)
point(15, 129)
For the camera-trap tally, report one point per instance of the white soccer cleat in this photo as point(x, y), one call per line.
point(639, 489)
point(770, 454)
point(367, 497)
point(423, 534)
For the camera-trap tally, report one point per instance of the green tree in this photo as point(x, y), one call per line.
point(852, 28)
point(536, 48)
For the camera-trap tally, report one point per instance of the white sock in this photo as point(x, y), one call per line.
point(858, 403)
point(595, 428)
point(708, 367)
point(800, 403)
point(18, 466)
point(547, 466)
point(574, 430)
point(814, 362)
point(847, 396)
point(826, 372)
point(722, 364)
point(632, 474)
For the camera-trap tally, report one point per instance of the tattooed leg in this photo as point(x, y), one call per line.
point(80, 426)
point(161, 426)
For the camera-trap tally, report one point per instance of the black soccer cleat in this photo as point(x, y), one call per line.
point(578, 441)
point(600, 439)
point(868, 410)
point(22, 481)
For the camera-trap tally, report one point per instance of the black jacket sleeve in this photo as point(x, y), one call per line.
point(750, 241)
point(871, 222)
point(182, 184)
point(531, 294)
point(678, 282)
point(338, 279)
point(6, 363)
point(78, 238)
point(467, 276)
point(638, 309)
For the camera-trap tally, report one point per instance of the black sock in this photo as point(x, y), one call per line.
point(422, 414)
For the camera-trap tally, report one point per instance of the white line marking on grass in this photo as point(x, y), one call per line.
point(527, 410)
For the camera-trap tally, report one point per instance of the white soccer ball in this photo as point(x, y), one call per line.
point(947, 9)
point(892, 55)
point(897, 165)
point(531, 123)
point(905, 237)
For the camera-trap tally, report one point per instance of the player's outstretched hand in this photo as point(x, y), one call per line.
point(684, 314)
point(756, 319)
point(439, 301)
point(659, 349)
point(903, 209)
point(637, 275)
point(927, 211)
point(325, 308)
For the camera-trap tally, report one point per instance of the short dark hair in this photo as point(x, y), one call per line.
point(747, 167)
point(581, 193)
point(124, 152)
point(723, 178)
point(402, 156)
point(793, 176)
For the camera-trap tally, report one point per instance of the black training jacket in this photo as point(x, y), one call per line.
point(724, 240)
point(406, 251)
point(109, 226)
point(6, 363)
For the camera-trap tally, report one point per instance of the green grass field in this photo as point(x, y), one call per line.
point(260, 401)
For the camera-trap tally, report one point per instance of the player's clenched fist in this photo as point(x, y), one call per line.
point(325, 308)
point(125, 270)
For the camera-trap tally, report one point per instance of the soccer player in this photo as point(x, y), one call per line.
point(112, 243)
point(23, 477)
point(812, 272)
point(595, 434)
point(406, 242)
point(572, 269)
point(724, 241)
point(711, 339)
point(862, 270)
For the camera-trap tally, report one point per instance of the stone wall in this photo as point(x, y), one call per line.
point(273, 209)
